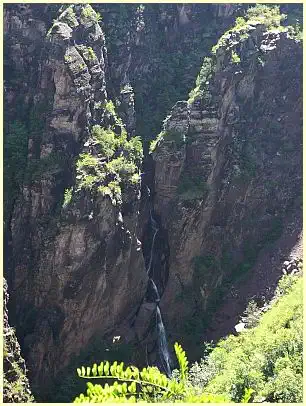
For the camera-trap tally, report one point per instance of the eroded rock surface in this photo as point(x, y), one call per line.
point(243, 139)
point(16, 388)
point(73, 268)
point(225, 181)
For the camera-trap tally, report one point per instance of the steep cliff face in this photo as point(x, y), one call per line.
point(76, 259)
point(158, 48)
point(73, 253)
point(228, 171)
point(91, 249)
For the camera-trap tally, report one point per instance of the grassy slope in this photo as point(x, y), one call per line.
point(267, 358)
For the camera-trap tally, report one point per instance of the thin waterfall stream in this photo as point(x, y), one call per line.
point(163, 350)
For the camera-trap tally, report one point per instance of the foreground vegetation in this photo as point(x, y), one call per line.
point(266, 359)
point(262, 363)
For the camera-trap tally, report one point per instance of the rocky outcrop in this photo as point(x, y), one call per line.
point(75, 263)
point(227, 170)
point(159, 49)
point(230, 173)
point(73, 257)
point(16, 388)
point(293, 266)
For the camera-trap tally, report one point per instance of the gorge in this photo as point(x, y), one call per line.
point(152, 177)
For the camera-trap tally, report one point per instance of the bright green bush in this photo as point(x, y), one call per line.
point(113, 160)
point(67, 197)
point(156, 142)
point(134, 149)
point(267, 15)
point(106, 139)
point(68, 16)
point(168, 135)
point(251, 315)
point(87, 161)
point(264, 358)
point(121, 166)
point(91, 53)
point(88, 171)
point(88, 14)
point(149, 384)
point(109, 106)
point(235, 57)
point(113, 190)
point(202, 81)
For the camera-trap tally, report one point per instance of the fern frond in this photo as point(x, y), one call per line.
point(182, 360)
point(131, 384)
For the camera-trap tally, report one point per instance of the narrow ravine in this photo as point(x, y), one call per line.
point(153, 293)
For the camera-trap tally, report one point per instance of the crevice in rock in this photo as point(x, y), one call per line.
point(148, 322)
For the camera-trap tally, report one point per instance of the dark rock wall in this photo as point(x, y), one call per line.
point(243, 137)
point(71, 271)
point(79, 273)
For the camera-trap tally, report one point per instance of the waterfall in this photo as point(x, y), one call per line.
point(154, 224)
point(162, 342)
point(152, 247)
point(163, 350)
point(157, 299)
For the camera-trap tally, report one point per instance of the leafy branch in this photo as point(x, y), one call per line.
point(149, 384)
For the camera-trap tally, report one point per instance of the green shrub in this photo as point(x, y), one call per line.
point(296, 32)
point(285, 284)
point(134, 149)
point(154, 143)
point(251, 315)
point(90, 15)
point(67, 197)
point(270, 17)
point(149, 384)
point(88, 171)
point(112, 162)
point(108, 176)
point(170, 135)
point(87, 161)
point(68, 58)
point(121, 166)
point(202, 81)
point(106, 139)
point(91, 53)
point(203, 371)
point(68, 16)
point(135, 179)
point(88, 182)
point(265, 357)
point(109, 106)
point(235, 57)
point(113, 190)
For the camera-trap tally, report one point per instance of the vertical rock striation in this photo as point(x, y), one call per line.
point(74, 266)
point(225, 175)
point(228, 170)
